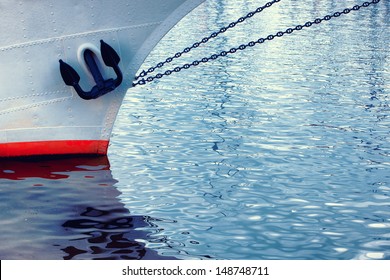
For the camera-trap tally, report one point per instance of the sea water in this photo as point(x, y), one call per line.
point(280, 151)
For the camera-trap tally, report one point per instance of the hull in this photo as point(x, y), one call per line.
point(39, 114)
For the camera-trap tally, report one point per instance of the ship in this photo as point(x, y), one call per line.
point(66, 67)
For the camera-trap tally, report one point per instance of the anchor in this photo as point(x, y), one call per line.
point(102, 87)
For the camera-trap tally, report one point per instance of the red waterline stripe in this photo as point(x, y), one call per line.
point(58, 147)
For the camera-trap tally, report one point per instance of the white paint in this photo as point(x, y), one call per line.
point(34, 101)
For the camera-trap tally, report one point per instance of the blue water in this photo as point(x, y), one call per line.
point(278, 152)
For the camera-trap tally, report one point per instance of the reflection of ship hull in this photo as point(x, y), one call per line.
point(39, 114)
point(66, 209)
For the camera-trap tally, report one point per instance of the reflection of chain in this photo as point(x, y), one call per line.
point(250, 44)
point(206, 39)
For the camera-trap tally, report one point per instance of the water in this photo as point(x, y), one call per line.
point(278, 152)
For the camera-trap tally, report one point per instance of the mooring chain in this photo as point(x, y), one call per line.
point(205, 39)
point(253, 43)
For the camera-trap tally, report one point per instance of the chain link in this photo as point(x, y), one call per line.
point(205, 40)
point(244, 46)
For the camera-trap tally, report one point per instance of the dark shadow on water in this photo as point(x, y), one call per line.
point(109, 235)
point(67, 209)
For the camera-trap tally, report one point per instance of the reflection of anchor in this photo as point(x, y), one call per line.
point(109, 234)
point(110, 58)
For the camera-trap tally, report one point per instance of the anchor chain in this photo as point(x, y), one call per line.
point(249, 44)
point(205, 39)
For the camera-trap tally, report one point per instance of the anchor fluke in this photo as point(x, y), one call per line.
point(109, 55)
point(111, 59)
point(69, 75)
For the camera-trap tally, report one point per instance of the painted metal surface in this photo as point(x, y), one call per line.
point(35, 104)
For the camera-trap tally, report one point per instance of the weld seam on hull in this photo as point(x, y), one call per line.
point(46, 93)
point(73, 36)
point(35, 105)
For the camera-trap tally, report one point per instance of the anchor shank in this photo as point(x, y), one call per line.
point(93, 68)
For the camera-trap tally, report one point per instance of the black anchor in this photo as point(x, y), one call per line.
point(110, 58)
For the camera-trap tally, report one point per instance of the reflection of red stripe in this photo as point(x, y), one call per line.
point(52, 169)
point(59, 147)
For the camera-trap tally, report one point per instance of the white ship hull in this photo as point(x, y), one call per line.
point(39, 114)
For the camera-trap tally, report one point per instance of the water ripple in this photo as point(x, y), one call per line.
point(280, 152)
